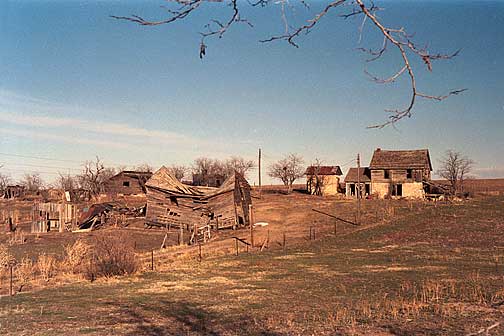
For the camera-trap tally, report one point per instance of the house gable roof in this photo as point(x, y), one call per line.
point(365, 175)
point(401, 159)
point(324, 170)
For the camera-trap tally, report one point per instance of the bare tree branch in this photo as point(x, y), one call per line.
point(396, 38)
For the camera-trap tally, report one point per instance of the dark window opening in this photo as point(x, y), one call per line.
point(409, 173)
point(367, 189)
point(173, 200)
point(386, 174)
point(352, 189)
point(126, 184)
point(397, 190)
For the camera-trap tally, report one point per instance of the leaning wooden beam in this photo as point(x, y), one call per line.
point(242, 241)
point(332, 216)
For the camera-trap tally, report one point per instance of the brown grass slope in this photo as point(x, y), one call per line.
point(432, 271)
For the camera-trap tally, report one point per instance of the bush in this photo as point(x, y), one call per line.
point(24, 272)
point(46, 264)
point(6, 257)
point(18, 237)
point(111, 256)
point(77, 256)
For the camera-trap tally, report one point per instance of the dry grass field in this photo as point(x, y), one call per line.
point(410, 268)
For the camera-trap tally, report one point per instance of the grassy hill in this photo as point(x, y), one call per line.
point(433, 270)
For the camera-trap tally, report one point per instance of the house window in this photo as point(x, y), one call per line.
point(126, 184)
point(409, 173)
point(386, 174)
point(397, 190)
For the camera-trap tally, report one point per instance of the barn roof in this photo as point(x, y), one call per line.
point(134, 174)
point(163, 179)
point(400, 159)
point(230, 184)
point(365, 175)
point(324, 170)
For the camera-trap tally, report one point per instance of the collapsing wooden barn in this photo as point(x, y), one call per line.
point(171, 203)
point(229, 205)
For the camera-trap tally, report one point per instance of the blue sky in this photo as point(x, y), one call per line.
point(75, 83)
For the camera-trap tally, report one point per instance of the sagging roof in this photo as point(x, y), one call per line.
point(401, 159)
point(163, 179)
point(365, 175)
point(324, 170)
point(229, 185)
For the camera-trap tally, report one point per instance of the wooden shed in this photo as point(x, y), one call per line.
point(127, 183)
point(14, 191)
point(323, 180)
point(356, 176)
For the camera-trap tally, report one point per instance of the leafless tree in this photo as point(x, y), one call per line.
point(179, 171)
point(395, 37)
point(5, 180)
point(209, 169)
point(239, 164)
point(32, 182)
point(288, 170)
point(204, 167)
point(145, 168)
point(93, 175)
point(67, 182)
point(455, 167)
point(121, 168)
point(315, 181)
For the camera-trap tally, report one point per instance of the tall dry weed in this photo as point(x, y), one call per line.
point(111, 255)
point(18, 237)
point(6, 258)
point(46, 265)
point(77, 256)
point(24, 272)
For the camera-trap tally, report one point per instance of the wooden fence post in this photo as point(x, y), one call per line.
point(199, 252)
point(236, 241)
point(251, 220)
point(10, 290)
point(152, 260)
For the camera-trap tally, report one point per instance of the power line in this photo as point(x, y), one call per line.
point(7, 164)
point(347, 163)
point(38, 157)
point(53, 159)
point(30, 171)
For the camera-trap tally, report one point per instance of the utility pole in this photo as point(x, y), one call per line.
point(358, 191)
point(259, 172)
